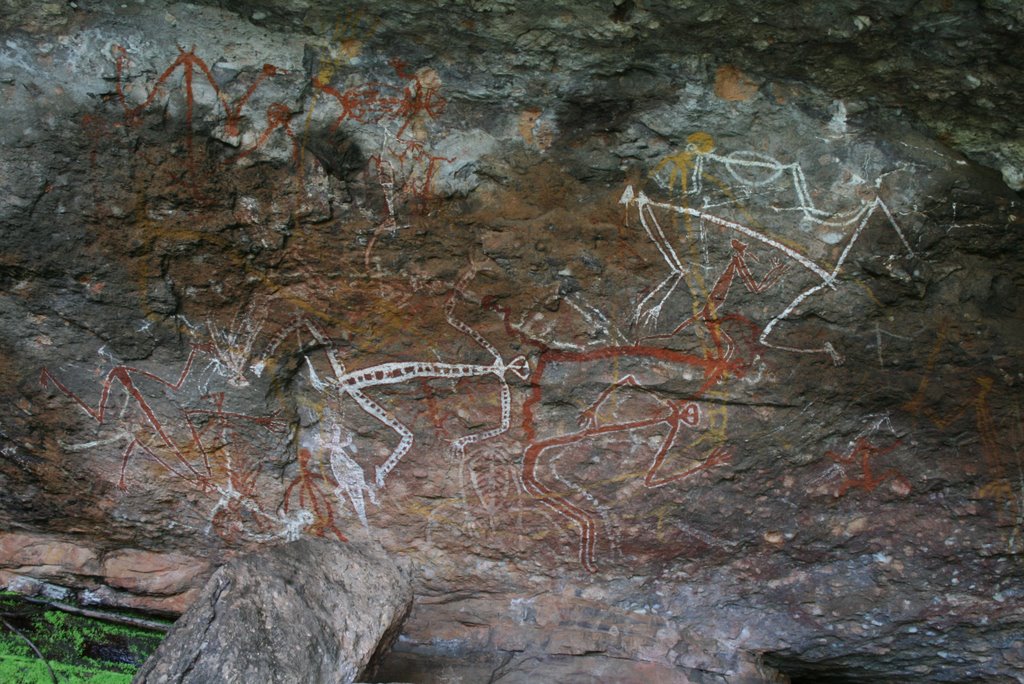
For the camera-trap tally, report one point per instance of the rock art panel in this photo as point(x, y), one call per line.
point(652, 335)
point(747, 171)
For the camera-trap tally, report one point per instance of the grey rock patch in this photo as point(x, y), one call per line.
point(307, 611)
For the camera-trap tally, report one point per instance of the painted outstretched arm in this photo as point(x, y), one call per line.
point(355, 383)
point(826, 276)
point(645, 310)
point(125, 376)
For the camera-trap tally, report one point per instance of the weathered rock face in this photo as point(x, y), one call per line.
point(307, 611)
point(686, 353)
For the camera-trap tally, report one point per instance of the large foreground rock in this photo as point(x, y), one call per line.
point(308, 611)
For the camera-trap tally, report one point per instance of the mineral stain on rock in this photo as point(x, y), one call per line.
point(732, 84)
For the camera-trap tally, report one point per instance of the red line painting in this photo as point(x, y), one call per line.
point(99, 131)
point(432, 412)
point(679, 414)
point(235, 111)
point(404, 166)
point(676, 415)
point(222, 420)
point(214, 457)
point(188, 62)
point(991, 450)
point(361, 103)
point(404, 169)
point(709, 313)
point(312, 498)
point(126, 376)
point(278, 115)
point(217, 451)
point(217, 434)
point(278, 118)
point(975, 400)
point(863, 454)
point(416, 165)
point(376, 102)
point(421, 98)
point(994, 448)
point(238, 509)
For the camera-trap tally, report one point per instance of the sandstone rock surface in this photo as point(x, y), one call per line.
point(306, 611)
point(684, 335)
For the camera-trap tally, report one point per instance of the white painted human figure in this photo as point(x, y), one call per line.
point(354, 383)
point(750, 169)
point(348, 473)
point(233, 346)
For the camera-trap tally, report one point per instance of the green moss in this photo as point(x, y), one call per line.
point(79, 649)
point(33, 671)
point(11, 644)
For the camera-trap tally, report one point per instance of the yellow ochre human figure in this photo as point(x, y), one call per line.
point(679, 165)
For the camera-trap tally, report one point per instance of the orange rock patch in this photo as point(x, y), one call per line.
point(733, 85)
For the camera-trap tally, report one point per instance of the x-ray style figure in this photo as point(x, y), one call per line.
point(751, 169)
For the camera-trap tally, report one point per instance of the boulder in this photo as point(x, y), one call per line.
point(305, 611)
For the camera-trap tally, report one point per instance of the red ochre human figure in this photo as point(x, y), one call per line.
point(862, 455)
point(371, 103)
point(362, 103)
point(972, 405)
point(976, 402)
point(418, 163)
point(312, 498)
point(220, 420)
point(709, 313)
point(189, 63)
point(421, 98)
point(126, 376)
point(677, 414)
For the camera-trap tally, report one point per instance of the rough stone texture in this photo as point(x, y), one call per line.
point(306, 611)
point(39, 553)
point(145, 572)
point(685, 335)
point(165, 583)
